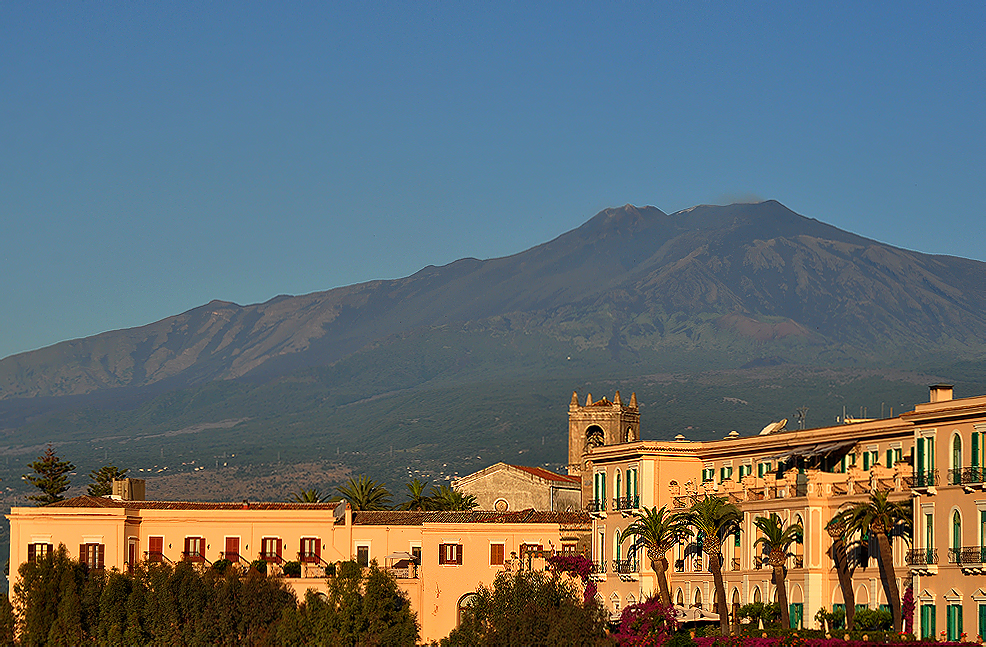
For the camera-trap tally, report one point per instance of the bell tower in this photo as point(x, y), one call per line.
point(599, 423)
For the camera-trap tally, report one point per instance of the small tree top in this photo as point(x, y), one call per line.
point(50, 476)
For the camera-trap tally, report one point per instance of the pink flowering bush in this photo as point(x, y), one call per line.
point(793, 640)
point(647, 624)
point(576, 566)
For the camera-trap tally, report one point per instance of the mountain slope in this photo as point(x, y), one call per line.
point(740, 280)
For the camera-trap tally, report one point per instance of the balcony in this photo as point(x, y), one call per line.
point(922, 479)
point(735, 564)
point(921, 556)
point(799, 561)
point(967, 476)
point(627, 503)
point(679, 566)
point(596, 505)
point(599, 567)
point(697, 565)
point(967, 555)
point(623, 566)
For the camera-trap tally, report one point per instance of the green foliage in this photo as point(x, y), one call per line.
point(873, 620)
point(363, 493)
point(530, 608)
point(291, 569)
point(311, 495)
point(417, 499)
point(446, 498)
point(7, 621)
point(364, 609)
point(102, 479)
point(65, 603)
point(759, 614)
point(50, 476)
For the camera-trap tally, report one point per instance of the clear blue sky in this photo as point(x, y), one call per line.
point(155, 156)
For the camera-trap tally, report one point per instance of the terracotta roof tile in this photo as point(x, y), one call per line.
point(86, 501)
point(401, 518)
point(548, 475)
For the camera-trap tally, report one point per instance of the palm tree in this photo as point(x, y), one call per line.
point(418, 499)
point(657, 531)
point(308, 496)
point(364, 493)
point(716, 519)
point(838, 530)
point(446, 498)
point(776, 540)
point(883, 519)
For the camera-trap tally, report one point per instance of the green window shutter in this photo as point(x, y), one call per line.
point(890, 458)
point(975, 449)
point(920, 453)
point(866, 461)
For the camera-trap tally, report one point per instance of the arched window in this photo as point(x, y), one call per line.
point(594, 436)
point(956, 460)
point(616, 489)
point(956, 532)
point(680, 598)
point(756, 595)
point(698, 599)
point(628, 436)
point(465, 605)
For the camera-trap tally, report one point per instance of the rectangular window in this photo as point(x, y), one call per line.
point(38, 551)
point(928, 621)
point(270, 549)
point(310, 550)
point(709, 474)
point(866, 461)
point(763, 469)
point(725, 473)
point(450, 554)
point(982, 619)
point(92, 555)
point(232, 552)
point(194, 549)
point(155, 549)
point(890, 458)
point(496, 554)
point(569, 548)
point(363, 556)
point(953, 619)
point(416, 553)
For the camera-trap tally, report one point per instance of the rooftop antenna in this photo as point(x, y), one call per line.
point(802, 412)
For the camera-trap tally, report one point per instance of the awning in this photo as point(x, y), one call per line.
point(399, 556)
point(810, 451)
point(691, 614)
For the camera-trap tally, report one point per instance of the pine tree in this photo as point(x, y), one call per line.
point(50, 476)
point(102, 479)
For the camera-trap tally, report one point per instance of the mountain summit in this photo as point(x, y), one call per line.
point(741, 281)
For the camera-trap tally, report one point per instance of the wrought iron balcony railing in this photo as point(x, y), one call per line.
point(967, 555)
point(679, 566)
point(921, 557)
point(925, 478)
point(596, 505)
point(966, 475)
point(599, 567)
point(627, 502)
point(625, 566)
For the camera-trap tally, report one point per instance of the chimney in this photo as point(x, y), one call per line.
point(128, 489)
point(941, 392)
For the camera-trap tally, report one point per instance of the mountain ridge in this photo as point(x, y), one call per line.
point(628, 279)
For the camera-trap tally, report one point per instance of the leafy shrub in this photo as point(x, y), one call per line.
point(291, 569)
point(873, 620)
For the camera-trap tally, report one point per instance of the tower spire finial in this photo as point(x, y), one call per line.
point(575, 399)
point(633, 399)
point(616, 398)
point(588, 399)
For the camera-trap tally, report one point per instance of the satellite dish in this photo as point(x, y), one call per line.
point(774, 426)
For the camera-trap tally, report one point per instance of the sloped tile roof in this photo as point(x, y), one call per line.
point(548, 475)
point(401, 518)
point(86, 501)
